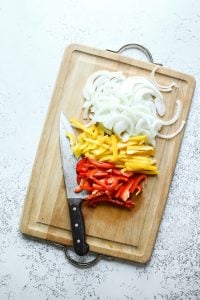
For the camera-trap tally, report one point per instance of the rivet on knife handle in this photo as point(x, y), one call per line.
point(77, 225)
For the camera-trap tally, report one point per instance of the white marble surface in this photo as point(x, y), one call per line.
point(33, 35)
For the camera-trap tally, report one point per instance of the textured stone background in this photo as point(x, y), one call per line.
point(33, 35)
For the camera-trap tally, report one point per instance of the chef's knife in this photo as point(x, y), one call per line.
point(74, 199)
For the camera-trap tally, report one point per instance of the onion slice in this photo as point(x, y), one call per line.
point(163, 88)
point(176, 116)
point(171, 135)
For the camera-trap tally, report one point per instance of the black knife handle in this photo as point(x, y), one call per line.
point(77, 226)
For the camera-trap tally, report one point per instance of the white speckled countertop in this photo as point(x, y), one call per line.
point(33, 36)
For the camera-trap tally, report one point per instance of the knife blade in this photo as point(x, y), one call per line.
point(74, 199)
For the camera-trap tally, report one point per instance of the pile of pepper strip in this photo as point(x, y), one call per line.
point(110, 170)
point(106, 183)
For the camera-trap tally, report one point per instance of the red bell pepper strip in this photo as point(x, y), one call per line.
point(124, 191)
point(101, 165)
point(105, 183)
point(94, 202)
point(137, 181)
point(120, 173)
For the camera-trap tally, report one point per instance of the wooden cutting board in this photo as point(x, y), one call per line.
point(126, 234)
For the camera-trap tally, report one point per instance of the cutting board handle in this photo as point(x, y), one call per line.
point(137, 47)
point(82, 263)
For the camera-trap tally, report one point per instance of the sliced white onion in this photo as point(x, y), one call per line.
point(172, 135)
point(176, 115)
point(163, 88)
point(126, 106)
point(160, 107)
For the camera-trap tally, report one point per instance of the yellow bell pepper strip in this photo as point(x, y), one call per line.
point(72, 138)
point(78, 124)
point(114, 146)
point(133, 155)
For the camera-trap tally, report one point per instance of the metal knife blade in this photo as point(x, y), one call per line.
point(74, 199)
point(68, 159)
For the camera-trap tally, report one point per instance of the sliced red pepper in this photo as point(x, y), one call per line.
point(91, 173)
point(78, 189)
point(137, 181)
point(78, 178)
point(113, 186)
point(115, 202)
point(94, 195)
point(120, 173)
point(83, 174)
point(100, 182)
point(84, 185)
point(129, 203)
point(101, 165)
point(124, 191)
point(98, 187)
point(100, 174)
point(82, 163)
point(119, 178)
point(105, 183)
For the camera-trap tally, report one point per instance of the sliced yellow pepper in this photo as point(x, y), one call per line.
point(133, 155)
point(71, 138)
point(75, 123)
point(114, 146)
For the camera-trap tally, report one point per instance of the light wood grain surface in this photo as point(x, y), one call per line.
point(127, 234)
